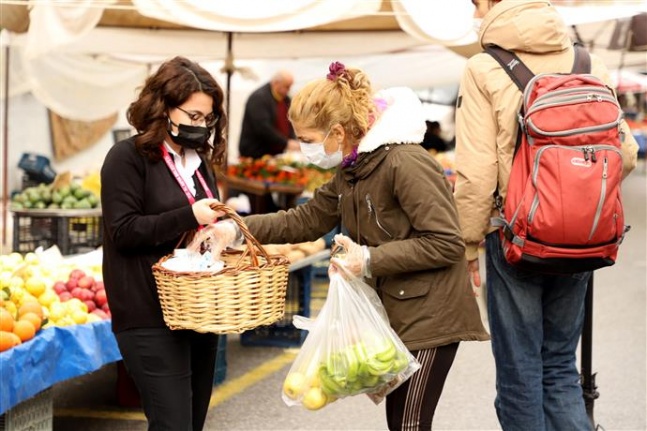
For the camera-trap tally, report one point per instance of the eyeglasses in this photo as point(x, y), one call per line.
point(199, 118)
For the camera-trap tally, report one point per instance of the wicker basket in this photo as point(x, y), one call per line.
point(249, 291)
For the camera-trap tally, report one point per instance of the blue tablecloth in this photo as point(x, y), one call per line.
point(54, 355)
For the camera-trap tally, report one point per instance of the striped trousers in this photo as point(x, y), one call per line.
point(411, 406)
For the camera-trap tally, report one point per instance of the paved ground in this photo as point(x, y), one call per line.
point(249, 399)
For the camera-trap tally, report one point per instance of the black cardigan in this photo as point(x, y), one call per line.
point(145, 214)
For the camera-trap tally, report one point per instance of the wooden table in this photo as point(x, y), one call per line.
point(260, 192)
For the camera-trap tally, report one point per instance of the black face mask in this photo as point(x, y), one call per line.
point(191, 137)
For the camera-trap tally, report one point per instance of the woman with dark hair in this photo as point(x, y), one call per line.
point(157, 188)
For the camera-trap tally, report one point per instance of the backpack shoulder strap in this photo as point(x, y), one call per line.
point(514, 67)
point(521, 76)
point(582, 62)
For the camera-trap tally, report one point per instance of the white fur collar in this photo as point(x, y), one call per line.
point(402, 122)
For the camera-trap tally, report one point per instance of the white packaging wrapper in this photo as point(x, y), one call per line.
point(185, 261)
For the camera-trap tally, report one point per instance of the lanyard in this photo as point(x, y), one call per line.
point(171, 165)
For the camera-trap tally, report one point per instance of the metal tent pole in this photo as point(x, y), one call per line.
point(5, 148)
point(589, 388)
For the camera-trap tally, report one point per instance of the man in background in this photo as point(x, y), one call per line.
point(535, 318)
point(266, 129)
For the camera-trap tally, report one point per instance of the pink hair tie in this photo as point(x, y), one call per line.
point(335, 70)
point(380, 104)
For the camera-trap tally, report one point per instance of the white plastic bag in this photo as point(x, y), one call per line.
point(350, 349)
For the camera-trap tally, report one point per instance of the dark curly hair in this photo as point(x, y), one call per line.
point(173, 83)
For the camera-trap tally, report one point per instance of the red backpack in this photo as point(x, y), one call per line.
point(563, 209)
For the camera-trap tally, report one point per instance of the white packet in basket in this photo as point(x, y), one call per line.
point(185, 261)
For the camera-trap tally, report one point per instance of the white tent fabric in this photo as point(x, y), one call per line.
point(596, 13)
point(82, 87)
point(85, 72)
point(148, 45)
point(438, 21)
point(55, 26)
point(254, 15)
point(98, 74)
point(19, 81)
point(78, 87)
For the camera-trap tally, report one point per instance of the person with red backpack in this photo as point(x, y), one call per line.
point(541, 149)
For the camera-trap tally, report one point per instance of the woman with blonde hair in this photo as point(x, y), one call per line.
point(395, 203)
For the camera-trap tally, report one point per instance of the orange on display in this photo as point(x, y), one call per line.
point(32, 317)
point(6, 320)
point(31, 306)
point(8, 340)
point(24, 329)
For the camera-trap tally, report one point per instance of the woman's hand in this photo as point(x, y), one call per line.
point(473, 270)
point(356, 259)
point(217, 237)
point(203, 212)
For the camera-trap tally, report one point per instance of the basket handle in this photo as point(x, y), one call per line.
point(251, 242)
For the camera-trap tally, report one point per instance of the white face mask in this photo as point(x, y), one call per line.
point(315, 153)
point(476, 25)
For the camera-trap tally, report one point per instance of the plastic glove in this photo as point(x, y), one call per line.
point(217, 237)
point(203, 212)
point(356, 259)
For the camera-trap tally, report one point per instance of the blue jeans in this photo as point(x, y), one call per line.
point(535, 323)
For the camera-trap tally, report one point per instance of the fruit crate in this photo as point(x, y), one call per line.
point(33, 414)
point(73, 231)
point(297, 301)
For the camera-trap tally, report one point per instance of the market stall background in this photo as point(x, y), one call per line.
point(84, 60)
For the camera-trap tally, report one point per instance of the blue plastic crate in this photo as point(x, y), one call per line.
point(283, 333)
point(320, 270)
point(37, 167)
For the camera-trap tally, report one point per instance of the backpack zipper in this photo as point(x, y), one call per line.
point(572, 132)
point(578, 98)
point(607, 97)
point(559, 93)
point(603, 196)
point(586, 149)
point(371, 209)
point(527, 94)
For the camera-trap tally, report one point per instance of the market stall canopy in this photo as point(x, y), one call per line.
point(71, 52)
point(258, 23)
point(77, 50)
